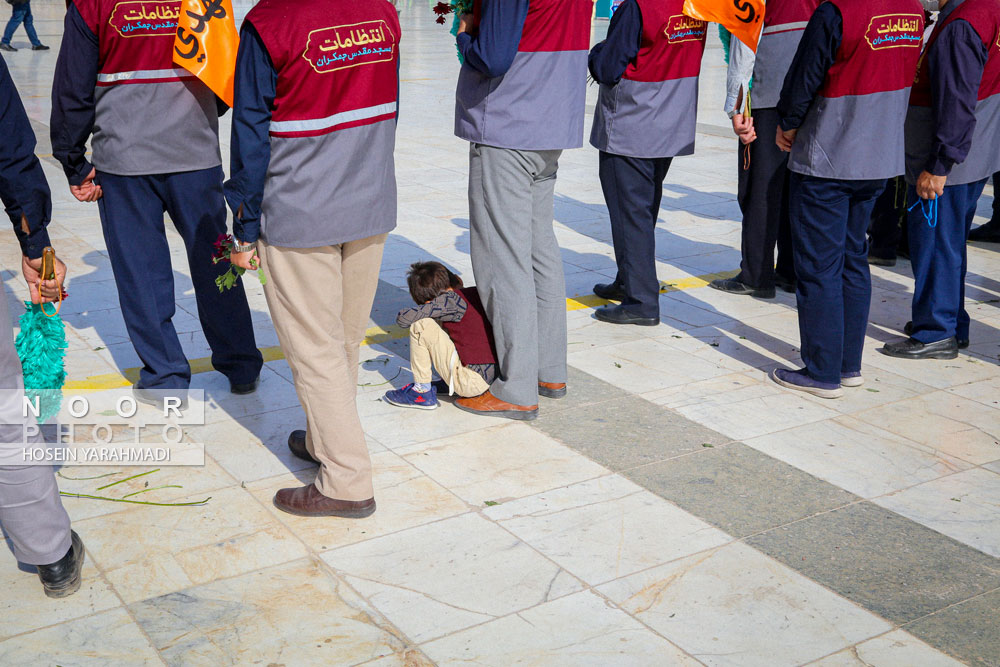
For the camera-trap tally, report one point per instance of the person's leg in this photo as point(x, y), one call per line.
point(974, 192)
point(195, 203)
point(311, 331)
point(32, 515)
point(550, 283)
point(431, 346)
point(936, 252)
point(630, 187)
point(362, 261)
point(990, 232)
point(995, 220)
point(857, 279)
point(885, 229)
point(29, 25)
point(820, 209)
point(785, 269)
point(763, 198)
point(16, 17)
point(132, 218)
point(500, 210)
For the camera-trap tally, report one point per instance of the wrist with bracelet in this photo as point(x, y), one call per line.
point(248, 247)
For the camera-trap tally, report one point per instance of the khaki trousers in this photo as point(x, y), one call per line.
point(320, 301)
point(431, 346)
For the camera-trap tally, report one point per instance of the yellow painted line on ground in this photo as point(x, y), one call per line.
point(373, 336)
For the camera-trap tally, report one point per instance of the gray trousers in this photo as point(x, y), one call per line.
point(518, 266)
point(31, 513)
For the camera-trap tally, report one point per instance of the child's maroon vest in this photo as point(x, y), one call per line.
point(473, 336)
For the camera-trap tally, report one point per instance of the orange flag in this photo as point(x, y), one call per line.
point(743, 18)
point(206, 44)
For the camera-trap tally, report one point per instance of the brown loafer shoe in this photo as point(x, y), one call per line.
point(308, 501)
point(297, 446)
point(552, 389)
point(488, 404)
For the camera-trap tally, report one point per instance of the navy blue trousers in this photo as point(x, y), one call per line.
point(939, 262)
point(132, 217)
point(633, 189)
point(829, 236)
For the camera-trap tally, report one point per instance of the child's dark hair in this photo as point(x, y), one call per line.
point(428, 280)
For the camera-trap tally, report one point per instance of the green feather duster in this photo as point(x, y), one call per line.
point(42, 346)
point(726, 38)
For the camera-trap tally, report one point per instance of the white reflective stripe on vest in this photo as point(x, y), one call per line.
point(331, 121)
point(786, 27)
point(144, 74)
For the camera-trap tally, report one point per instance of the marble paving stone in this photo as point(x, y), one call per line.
point(756, 416)
point(881, 387)
point(965, 506)
point(599, 530)
point(579, 629)
point(108, 638)
point(738, 489)
point(734, 606)
point(405, 498)
point(643, 365)
point(24, 606)
point(256, 447)
point(229, 535)
point(446, 576)
point(294, 614)
point(274, 393)
point(940, 374)
point(967, 630)
point(723, 389)
point(583, 389)
point(857, 456)
point(410, 657)
point(509, 461)
point(178, 482)
point(951, 424)
point(884, 562)
point(627, 432)
point(397, 428)
point(896, 649)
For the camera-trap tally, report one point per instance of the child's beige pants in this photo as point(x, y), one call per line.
point(432, 348)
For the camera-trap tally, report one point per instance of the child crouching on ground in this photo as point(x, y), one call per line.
point(449, 333)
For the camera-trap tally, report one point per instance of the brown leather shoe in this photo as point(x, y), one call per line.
point(308, 501)
point(297, 446)
point(490, 405)
point(552, 389)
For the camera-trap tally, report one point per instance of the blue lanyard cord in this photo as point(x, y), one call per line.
point(930, 211)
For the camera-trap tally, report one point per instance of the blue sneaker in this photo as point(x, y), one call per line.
point(408, 397)
point(800, 381)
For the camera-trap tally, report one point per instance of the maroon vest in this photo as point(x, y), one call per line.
point(331, 176)
point(473, 335)
point(854, 129)
point(984, 155)
point(652, 111)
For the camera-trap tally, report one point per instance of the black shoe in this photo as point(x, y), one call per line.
point(62, 578)
point(881, 261)
point(733, 286)
point(963, 343)
point(912, 348)
point(157, 397)
point(40, 47)
point(784, 284)
point(988, 233)
point(7, 47)
point(609, 291)
point(297, 446)
point(245, 388)
point(619, 315)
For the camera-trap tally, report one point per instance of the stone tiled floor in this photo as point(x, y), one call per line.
point(676, 508)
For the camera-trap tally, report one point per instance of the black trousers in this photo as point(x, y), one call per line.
point(633, 189)
point(995, 221)
point(763, 199)
point(887, 235)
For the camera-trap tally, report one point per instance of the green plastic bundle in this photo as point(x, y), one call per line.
point(41, 345)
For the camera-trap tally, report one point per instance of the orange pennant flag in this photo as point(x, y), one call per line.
point(206, 44)
point(743, 18)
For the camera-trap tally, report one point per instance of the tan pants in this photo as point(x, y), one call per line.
point(320, 301)
point(430, 345)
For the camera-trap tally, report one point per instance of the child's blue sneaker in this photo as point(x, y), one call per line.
point(408, 397)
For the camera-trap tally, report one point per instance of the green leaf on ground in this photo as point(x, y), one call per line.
point(491, 503)
point(707, 444)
